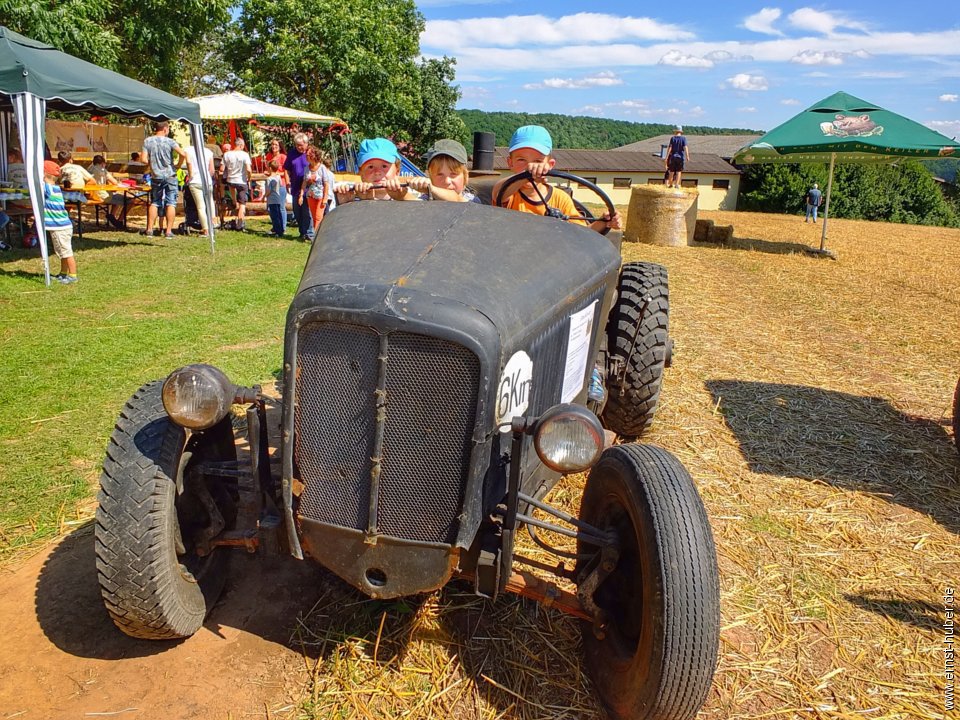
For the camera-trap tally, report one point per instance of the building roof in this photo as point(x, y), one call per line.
point(582, 162)
point(723, 145)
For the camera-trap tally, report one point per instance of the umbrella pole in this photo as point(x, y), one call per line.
point(826, 204)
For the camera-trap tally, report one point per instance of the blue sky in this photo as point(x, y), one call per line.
point(700, 63)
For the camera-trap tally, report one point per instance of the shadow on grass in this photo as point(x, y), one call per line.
point(758, 245)
point(849, 441)
point(919, 613)
point(510, 648)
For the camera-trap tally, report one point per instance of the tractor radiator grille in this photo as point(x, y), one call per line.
point(431, 389)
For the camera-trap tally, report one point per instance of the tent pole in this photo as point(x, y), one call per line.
point(826, 204)
point(31, 114)
point(206, 182)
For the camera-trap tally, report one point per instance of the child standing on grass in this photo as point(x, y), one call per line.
point(530, 149)
point(57, 222)
point(447, 174)
point(316, 190)
point(277, 198)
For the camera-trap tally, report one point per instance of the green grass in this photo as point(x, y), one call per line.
point(71, 355)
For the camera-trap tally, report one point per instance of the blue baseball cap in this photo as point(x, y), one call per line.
point(377, 149)
point(532, 136)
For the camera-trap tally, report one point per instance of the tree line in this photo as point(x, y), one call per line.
point(903, 192)
point(580, 132)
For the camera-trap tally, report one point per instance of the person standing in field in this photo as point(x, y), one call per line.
point(296, 167)
point(57, 223)
point(158, 152)
point(198, 157)
point(814, 199)
point(237, 168)
point(677, 154)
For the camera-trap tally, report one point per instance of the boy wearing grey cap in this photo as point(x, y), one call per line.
point(447, 174)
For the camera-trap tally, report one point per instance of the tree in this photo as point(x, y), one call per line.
point(142, 39)
point(155, 33)
point(438, 117)
point(355, 59)
point(77, 27)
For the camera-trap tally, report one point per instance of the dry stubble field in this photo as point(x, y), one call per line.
point(810, 401)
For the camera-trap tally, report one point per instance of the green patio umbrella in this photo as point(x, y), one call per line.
point(845, 128)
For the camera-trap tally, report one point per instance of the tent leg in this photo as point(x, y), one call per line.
point(826, 204)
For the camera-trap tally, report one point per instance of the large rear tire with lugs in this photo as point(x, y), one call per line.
point(153, 505)
point(639, 348)
point(654, 655)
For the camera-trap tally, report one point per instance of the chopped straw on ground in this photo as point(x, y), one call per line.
point(810, 401)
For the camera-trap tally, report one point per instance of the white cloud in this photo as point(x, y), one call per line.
point(748, 109)
point(644, 109)
point(743, 81)
point(947, 97)
point(825, 23)
point(678, 59)
point(789, 101)
point(721, 56)
point(882, 75)
point(601, 79)
point(527, 30)
point(589, 110)
point(950, 128)
point(814, 57)
point(884, 48)
point(762, 22)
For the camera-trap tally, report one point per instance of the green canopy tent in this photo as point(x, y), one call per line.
point(35, 77)
point(846, 129)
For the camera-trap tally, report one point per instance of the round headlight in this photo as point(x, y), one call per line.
point(568, 438)
point(197, 396)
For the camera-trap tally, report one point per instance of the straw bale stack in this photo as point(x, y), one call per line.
point(661, 216)
point(708, 231)
point(703, 230)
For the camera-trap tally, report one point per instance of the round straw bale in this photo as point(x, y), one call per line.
point(661, 216)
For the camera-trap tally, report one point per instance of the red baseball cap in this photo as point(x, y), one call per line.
point(51, 168)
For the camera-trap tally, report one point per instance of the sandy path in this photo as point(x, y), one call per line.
point(61, 656)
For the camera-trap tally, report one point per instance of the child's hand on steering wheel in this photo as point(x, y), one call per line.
point(538, 169)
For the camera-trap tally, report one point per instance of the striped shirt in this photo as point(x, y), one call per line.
point(55, 215)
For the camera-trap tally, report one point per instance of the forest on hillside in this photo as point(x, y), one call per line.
point(580, 132)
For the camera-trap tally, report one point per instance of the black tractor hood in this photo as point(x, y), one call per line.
point(514, 268)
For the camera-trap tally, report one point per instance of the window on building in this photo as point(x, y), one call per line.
point(622, 182)
point(590, 179)
point(655, 181)
point(721, 184)
point(689, 183)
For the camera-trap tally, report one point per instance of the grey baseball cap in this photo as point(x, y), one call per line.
point(450, 148)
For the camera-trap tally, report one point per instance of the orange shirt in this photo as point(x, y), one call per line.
point(555, 198)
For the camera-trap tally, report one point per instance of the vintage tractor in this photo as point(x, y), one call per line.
point(444, 365)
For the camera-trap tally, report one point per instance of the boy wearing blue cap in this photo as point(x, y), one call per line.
point(379, 162)
point(530, 149)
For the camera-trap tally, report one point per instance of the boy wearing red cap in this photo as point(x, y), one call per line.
point(58, 224)
point(530, 149)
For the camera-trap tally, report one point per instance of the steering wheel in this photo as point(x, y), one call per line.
point(584, 215)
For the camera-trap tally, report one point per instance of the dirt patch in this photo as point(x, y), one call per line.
point(63, 658)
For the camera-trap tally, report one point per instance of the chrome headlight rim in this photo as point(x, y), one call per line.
point(585, 426)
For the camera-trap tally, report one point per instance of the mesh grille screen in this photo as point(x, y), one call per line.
point(334, 420)
point(431, 396)
point(431, 405)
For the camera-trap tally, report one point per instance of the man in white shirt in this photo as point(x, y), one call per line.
point(236, 168)
point(194, 183)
